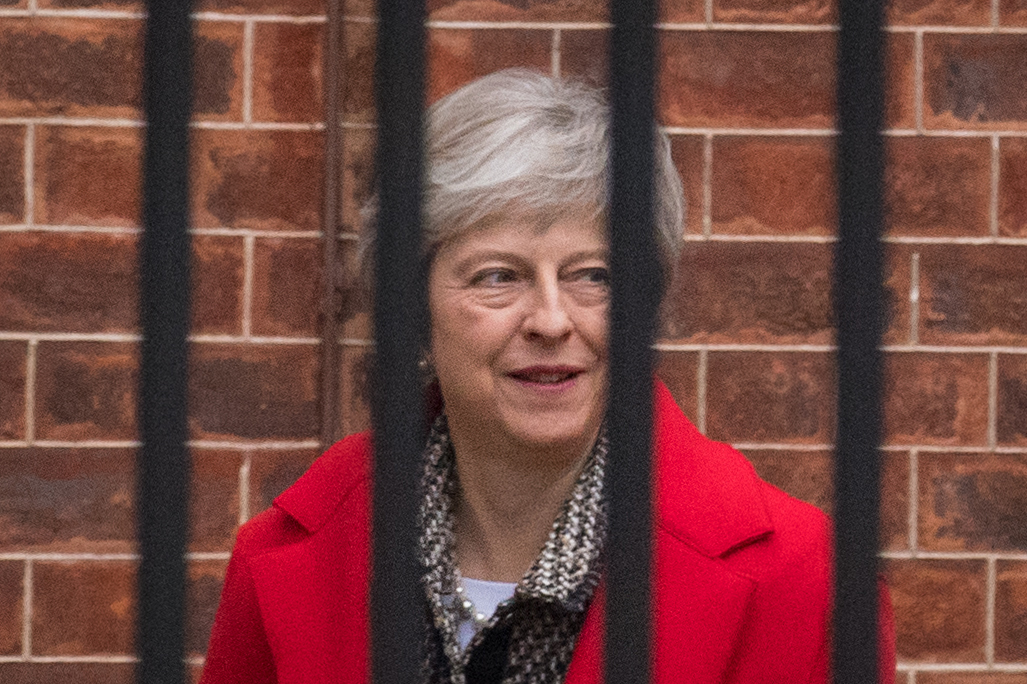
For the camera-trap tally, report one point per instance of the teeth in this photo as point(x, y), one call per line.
point(548, 379)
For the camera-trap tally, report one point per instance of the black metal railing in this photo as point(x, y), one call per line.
point(396, 598)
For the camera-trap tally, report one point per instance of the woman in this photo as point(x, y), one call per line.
point(514, 513)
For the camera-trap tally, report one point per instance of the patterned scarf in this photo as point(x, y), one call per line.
point(540, 624)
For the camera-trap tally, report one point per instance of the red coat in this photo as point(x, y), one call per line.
point(742, 585)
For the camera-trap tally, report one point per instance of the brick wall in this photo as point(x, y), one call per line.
point(747, 96)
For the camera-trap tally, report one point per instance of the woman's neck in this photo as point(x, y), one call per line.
point(506, 505)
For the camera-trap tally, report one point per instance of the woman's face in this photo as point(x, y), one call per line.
point(519, 331)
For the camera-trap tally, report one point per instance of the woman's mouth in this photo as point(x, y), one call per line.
point(546, 375)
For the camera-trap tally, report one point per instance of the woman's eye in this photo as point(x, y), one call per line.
point(595, 276)
point(494, 277)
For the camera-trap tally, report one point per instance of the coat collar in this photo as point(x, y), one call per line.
point(708, 495)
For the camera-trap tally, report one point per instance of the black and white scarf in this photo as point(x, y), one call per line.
point(531, 637)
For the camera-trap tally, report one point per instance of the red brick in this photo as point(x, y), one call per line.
point(12, 174)
point(457, 56)
point(12, 575)
point(70, 67)
point(68, 281)
point(67, 673)
point(358, 67)
point(728, 78)
point(1012, 400)
point(773, 185)
point(939, 609)
point(974, 81)
point(940, 12)
point(973, 294)
point(203, 592)
point(218, 70)
point(254, 392)
point(584, 55)
point(970, 678)
point(354, 389)
point(687, 151)
point(770, 397)
point(894, 500)
point(806, 475)
point(679, 370)
point(357, 175)
point(900, 80)
point(274, 471)
point(1012, 188)
point(776, 12)
point(517, 10)
point(287, 66)
point(1013, 13)
point(934, 398)
point(809, 475)
point(938, 186)
point(13, 362)
point(67, 500)
point(297, 7)
point(86, 390)
point(287, 287)
point(88, 176)
point(263, 180)
point(83, 608)
point(973, 502)
point(682, 11)
point(217, 275)
point(355, 307)
point(1011, 612)
point(214, 499)
point(749, 292)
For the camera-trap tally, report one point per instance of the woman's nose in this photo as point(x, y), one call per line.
point(548, 316)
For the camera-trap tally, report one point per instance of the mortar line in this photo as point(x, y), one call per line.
point(918, 80)
point(989, 614)
point(996, 172)
point(722, 237)
point(993, 400)
point(261, 18)
point(249, 244)
point(954, 555)
point(914, 500)
point(911, 677)
point(247, 71)
point(30, 391)
point(914, 299)
point(32, 6)
point(921, 666)
point(244, 487)
point(708, 12)
point(28, 587)
point(554, 53)
point(995, 11)
point(707, 185)
point(701, 390)
point(30, 174)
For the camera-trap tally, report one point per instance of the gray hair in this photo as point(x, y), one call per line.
point(519, 141)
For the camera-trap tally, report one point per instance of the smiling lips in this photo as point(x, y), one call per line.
point(546, 375)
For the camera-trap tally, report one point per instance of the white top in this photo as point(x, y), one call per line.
point(486, 597)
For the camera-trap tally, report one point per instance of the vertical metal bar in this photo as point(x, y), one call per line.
point(330, 226)
point(162, 491)
point(636, 288)
point(397, 600)
point(860, 317)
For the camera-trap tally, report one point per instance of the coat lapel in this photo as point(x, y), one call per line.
point(313, 594)
point(708, 504)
